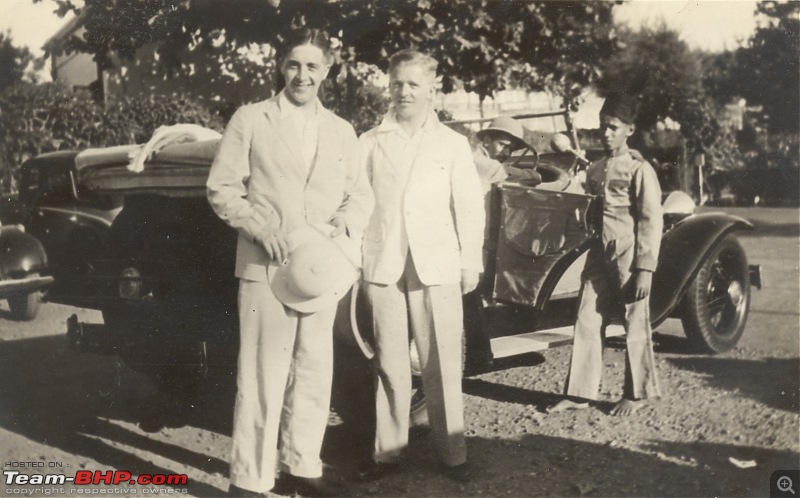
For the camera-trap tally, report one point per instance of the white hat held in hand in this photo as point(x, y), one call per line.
point(319, 271)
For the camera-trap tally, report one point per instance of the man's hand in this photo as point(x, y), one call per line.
point(644, 279)
point(469, 281)
point(277, 245)
point(340, 226)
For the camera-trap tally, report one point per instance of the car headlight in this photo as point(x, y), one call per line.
point(130, 284)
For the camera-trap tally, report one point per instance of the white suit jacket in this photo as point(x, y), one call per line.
point(432, 206)
point(259, 182)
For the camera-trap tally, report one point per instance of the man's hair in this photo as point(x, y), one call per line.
point(308, 36)
point(409, 56)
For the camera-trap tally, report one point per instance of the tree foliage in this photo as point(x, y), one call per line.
point(656, 65)
point(766, 72)
point(659, 67)
point(483, 46)
point(769, 69)
point(13, 62)
point(35, 119)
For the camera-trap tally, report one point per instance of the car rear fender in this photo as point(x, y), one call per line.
point(684, 248)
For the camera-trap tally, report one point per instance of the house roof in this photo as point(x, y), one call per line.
point(69, 28)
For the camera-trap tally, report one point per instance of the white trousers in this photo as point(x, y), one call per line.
point(284, 385)
point(434, 316)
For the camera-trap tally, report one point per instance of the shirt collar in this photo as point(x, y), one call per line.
point(288, 109)
point(622, 150)
point(390, 123)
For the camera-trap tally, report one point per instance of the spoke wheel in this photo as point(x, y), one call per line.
point(717, 302)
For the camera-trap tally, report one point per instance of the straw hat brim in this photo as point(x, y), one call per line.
point(347, 270)
point(517, 142)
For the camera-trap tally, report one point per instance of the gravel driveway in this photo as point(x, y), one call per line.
point(724, 425)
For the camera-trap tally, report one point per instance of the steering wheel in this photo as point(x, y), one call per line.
point(528, 148)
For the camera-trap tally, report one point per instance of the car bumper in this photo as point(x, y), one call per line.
point(26, 285)
point(755, 276)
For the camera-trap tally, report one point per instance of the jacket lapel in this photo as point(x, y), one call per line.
point(287, 135)
point(428, 144)
point(327, 141)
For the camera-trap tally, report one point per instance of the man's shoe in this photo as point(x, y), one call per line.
point(289, 484)
point(237, 492)
point(376, 470)
point(459, 473)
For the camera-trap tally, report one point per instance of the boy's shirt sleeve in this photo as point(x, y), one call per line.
point(649, 217)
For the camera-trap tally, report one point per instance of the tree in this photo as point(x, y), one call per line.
point(483, 46)
point(13, 62)
point(657, 65)
point(769, 69)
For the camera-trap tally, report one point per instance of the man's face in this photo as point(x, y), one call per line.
point(304, 68)
point(615, 132)
point(412, 90)
point(498, 147)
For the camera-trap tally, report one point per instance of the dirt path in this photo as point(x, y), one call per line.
point(80, 412)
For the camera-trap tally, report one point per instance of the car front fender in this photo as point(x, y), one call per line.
point(20, 253)
point(683, 250)
point(22, 260)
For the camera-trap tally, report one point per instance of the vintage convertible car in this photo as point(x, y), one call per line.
point(166, 289)
point(24, 273)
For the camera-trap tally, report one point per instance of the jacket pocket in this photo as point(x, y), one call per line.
point(618, 192)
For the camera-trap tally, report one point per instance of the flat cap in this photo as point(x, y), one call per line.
point(621, 106)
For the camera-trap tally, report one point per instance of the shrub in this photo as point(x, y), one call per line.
point(35, 119)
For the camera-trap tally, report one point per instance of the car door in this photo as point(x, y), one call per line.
point(539, 234)
point(50, 201)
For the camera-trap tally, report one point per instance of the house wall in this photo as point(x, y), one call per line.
point(77, 69)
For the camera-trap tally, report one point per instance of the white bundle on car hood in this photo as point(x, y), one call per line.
point(168, 135)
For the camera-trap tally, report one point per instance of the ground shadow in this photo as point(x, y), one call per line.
point(509, 394)
point(86, 404)
point(774, 382)
point(73, 402)
point(662, 344)
point(538, 465)
point(519, 361)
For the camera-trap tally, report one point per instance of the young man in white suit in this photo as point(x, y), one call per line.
point(422, 251)
point(284, 163)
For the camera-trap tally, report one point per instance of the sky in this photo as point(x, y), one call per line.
point(30, 24)
point(713, 25)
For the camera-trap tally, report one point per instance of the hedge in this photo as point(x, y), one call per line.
point(35, 119)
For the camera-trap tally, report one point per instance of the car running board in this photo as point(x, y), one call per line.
point(503, 347)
